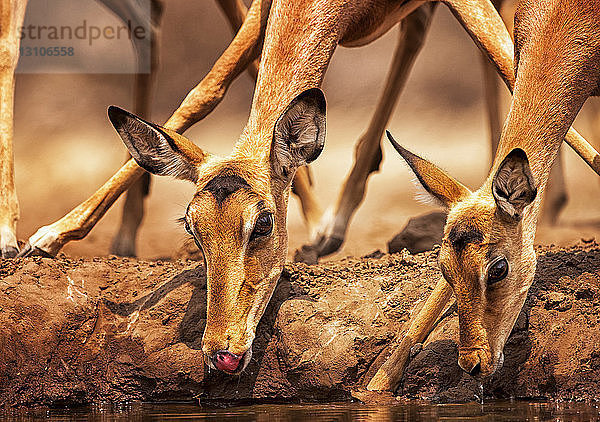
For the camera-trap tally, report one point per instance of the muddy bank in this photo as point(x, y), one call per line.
point(76, 331)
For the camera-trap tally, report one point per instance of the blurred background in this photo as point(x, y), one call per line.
point(65, 147)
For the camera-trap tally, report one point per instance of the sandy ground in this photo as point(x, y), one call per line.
point(65, 147)
point(108, 329)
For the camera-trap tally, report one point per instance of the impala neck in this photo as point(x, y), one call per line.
point(556, 74)
point(292, 61)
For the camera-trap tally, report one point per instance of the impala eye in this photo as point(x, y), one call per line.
point(187, 227)
point(497, 271)
point(263, 226)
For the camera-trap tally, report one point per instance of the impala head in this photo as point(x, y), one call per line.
point(237, 215)
point(485, 255)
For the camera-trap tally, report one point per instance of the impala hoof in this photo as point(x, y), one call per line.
point(123, 246)
point(329, 245)
point(9, 247)
point(9, 252)
point(29, 251)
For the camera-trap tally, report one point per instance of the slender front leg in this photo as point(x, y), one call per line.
point(555, 197)
point(390, 373)
point(124, 242)
point(302, 187)
point(484, 25)
point(593, 104)
point(48, 240)
point(12, 13)
point(245, 48)
point(492, 103)
point(236, 11)
point(367, 156)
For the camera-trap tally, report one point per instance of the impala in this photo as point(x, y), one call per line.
point(487, 257)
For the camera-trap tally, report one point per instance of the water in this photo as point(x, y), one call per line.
point(489, 411)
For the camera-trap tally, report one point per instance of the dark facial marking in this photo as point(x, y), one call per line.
point(223, 186)
point(460, 237)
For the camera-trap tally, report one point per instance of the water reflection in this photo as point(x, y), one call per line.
point(490, 411)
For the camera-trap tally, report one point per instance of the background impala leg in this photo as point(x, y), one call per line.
point(389, 375)
point(485, 26)
point(491, 93)
point(12, 14)
point(555, 197)
point(124, 242)
point(49, 240)
point(302, 187)
point(483, 23)
point(593, 104)
point(236, 11)
point(245, 48)
point(368, 155)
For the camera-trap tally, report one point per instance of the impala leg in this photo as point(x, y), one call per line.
point(124, 242)
point(245, 47)
point(483, 23)
point(481, 20)
point(555, 197)
point(12, 14)
point(492, 103)
point(48, 240)
point(593, 104)
point(390, 373)
point(368, 155)
point(302, 187)
point(235, 11)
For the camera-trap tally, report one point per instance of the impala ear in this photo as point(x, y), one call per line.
point(434, 180)
point(299, 134)
point(514, 186)
point(157, 150)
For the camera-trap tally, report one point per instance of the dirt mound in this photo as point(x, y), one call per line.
point(420, 233)
point(76, 331)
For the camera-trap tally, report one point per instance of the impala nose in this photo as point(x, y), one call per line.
point(477, 362)
point(226, 361)
point(476, 370)
point(470, 363)
point(470, 366)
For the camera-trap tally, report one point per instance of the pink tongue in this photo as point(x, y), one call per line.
point(227, 362)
